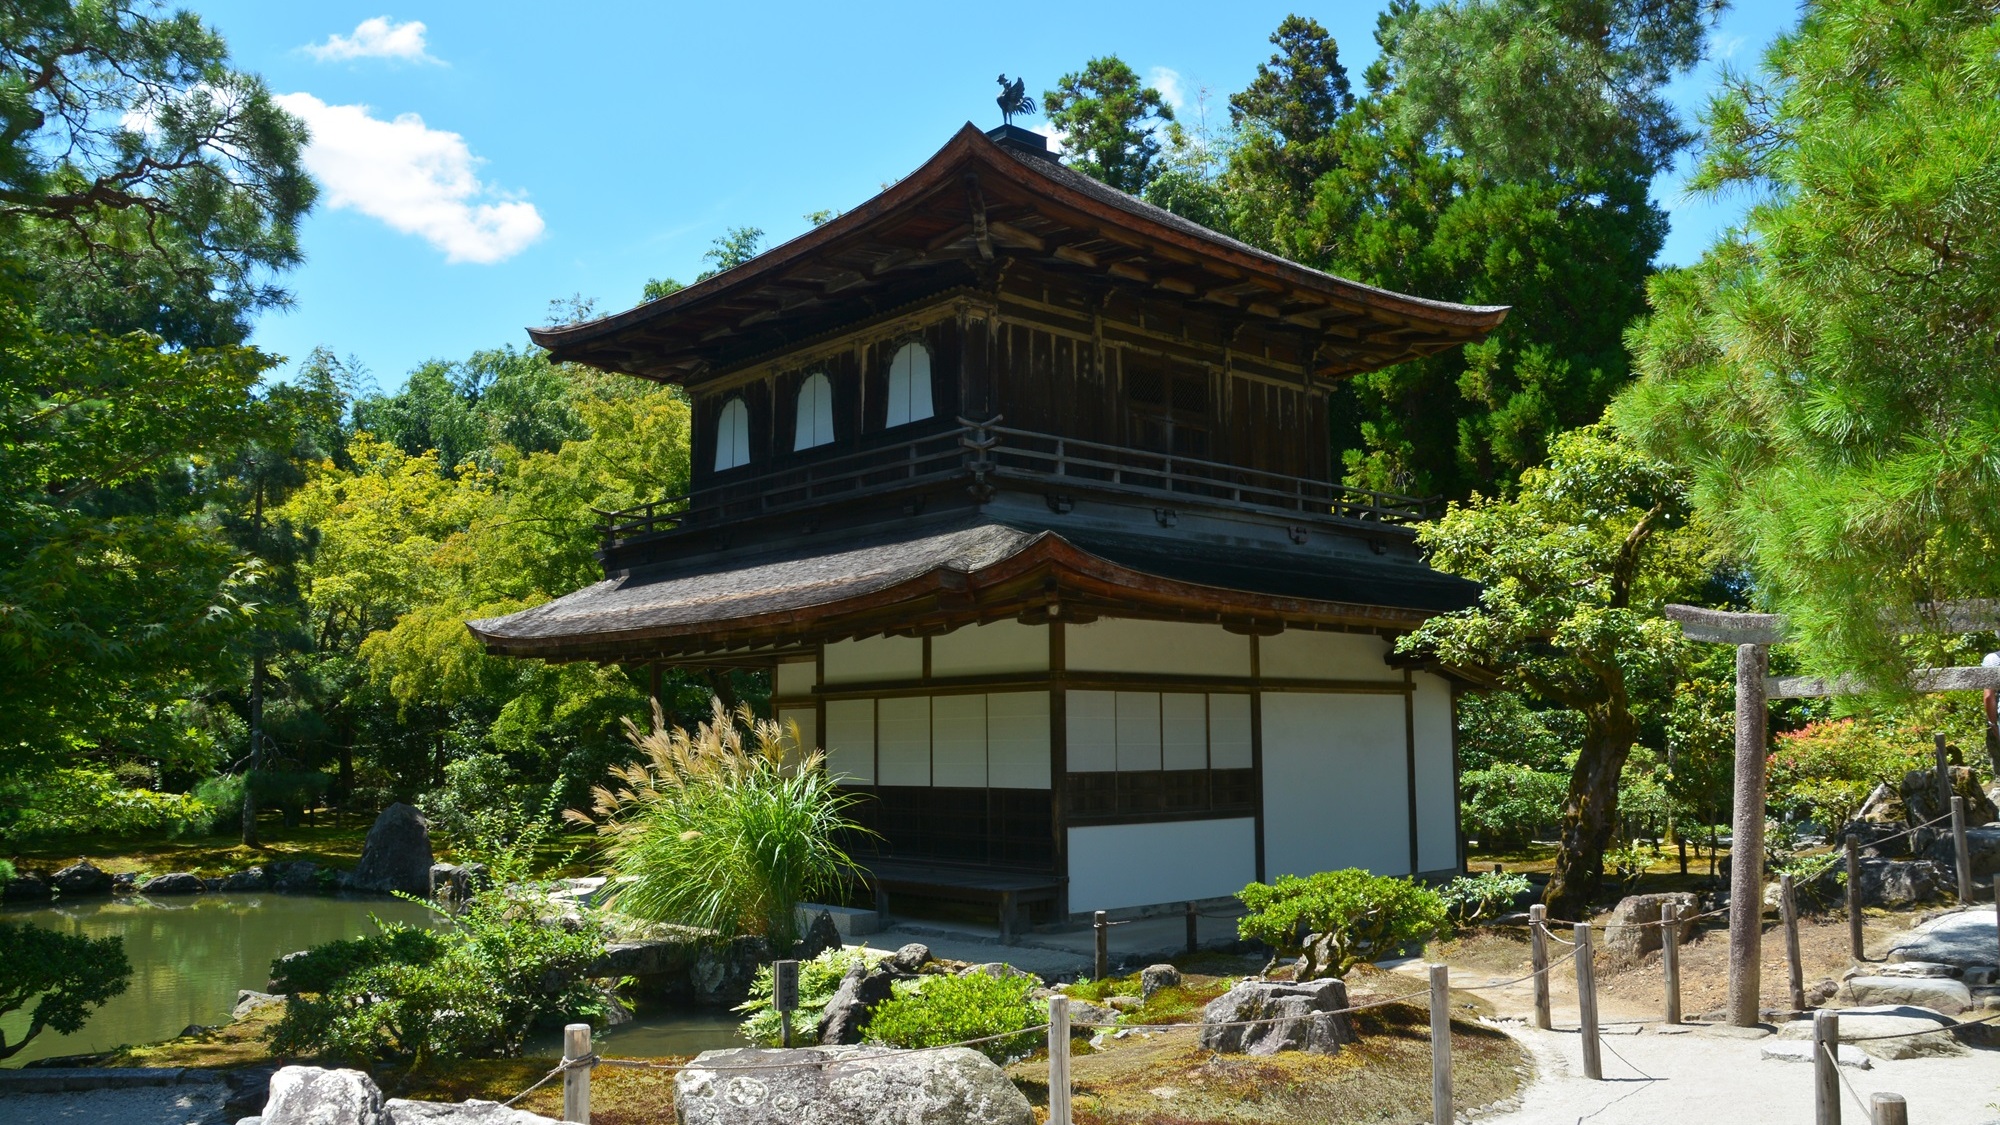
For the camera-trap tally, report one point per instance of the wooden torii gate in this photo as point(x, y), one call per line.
point(1753, 634)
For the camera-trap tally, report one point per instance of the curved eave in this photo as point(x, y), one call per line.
point(1046, 568)
point(1062, 191)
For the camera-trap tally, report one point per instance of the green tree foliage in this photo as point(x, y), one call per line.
point(1287, 130)
point(1108, 119)
point(1825, 373)
point(1472, 899)
point(819, 979)
point(1353, 915)
point(1574, 572)
point(727, 829)
point(1502, 155)
point(728, 251)
point(148, 195)
point(65, 977)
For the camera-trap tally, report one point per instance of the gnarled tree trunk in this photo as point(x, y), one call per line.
point(1590, 813)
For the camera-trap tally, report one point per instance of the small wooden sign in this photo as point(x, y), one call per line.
point(785, 985)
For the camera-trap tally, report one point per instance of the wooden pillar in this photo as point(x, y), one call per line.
point(1852, 847)
point(1538, 953)
point(1440, 1045)
point(1788, 908)
point(1746, 849)
point(1826, 1060)
point(1670, 958)
point(1586, 1004)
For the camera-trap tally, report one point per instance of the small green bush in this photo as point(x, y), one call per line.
point(1365, 917)
point(481, 986)
point(819, 979)
point(939, 1011)
point(1472, 899)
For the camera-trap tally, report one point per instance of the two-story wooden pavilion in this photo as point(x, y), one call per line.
point(1020, 487)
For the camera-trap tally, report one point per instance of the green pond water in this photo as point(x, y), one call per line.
point(190, 956)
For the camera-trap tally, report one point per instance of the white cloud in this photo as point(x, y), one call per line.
point(1168, 82)
point(417, 179)
point(376, 38)
point(1056, 136)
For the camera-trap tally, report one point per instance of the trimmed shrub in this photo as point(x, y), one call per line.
point(1472, 899)
point(940, 1011)
point(1362, 917)
point(819, 979)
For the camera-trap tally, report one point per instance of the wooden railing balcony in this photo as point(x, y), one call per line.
point(987, 455)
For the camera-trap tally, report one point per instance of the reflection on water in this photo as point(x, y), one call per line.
point(191, 955)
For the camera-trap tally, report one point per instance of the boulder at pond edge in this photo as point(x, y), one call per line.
point(397, 854)
point(847, 1086)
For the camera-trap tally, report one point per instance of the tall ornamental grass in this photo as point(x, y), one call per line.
point(727, 828)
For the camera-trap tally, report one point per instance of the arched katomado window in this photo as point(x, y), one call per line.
point(732, 435)
point(815, 423)
point(909, 385)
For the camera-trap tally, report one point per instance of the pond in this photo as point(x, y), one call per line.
point(190, 956)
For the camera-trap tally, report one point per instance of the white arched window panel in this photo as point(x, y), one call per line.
point(909, 385)
point(815, 424)
point(732, 435)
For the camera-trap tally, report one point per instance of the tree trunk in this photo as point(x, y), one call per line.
point(1589, 815)
point(256, 751)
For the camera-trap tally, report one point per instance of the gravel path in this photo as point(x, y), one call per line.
point(181, 1104)
point(1701, 1076)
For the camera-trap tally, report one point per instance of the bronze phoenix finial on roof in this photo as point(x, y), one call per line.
point(1013, 99)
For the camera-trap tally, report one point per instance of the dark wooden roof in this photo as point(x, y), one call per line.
point(974, 203)
point(938, 575)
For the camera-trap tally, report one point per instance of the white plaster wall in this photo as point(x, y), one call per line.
point(1437, 827)
point(1229, 731)
point(958, 740)
point(1017, 740)
point(1118, 865)
point(1183, 731)
point(1091, 731)
point(850, 740)
point(1138, 730)
point(1301, 654)
point(1335, 790)
point(994, 648)
point(794, 679)
point(874, 659)
point(1162, 647)
point(903, 740)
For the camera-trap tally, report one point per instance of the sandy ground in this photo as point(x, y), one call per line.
point(183, 1104)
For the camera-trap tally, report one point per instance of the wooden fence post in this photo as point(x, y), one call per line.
point(1826, 1056)
point(1440, 1045)
point(1586, 1004)
point(1963, 854)
point(1670, 957)
point(1788, 909)
point(1943, 766)
point(1193, 936)
point(1746, 847)
point(1853, 847)
point(1059, 1060)
point(1538, 952)
point(1889, 1109)
point(1103, 935)
point(576, 1081)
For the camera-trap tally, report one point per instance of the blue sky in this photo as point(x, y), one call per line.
point(502, 155)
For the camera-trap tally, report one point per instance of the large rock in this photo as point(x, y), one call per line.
point(1297, 1017)
point(819, 937)
point(25, 887)
point(249, 1000)
point(1634, 928)
point(1897, 882)
point(1982, 847)
point(1936, 993)
point(1919, 792)
point(910, 958)
point(298, 877)
point(845, 1016)
point(1963, 938)
point(847, 1086)
point(81, 880)
point(1153, 978)
point(309, 1095)
point(250, 880)
point(397, 854)
point(723, 971)
point(177, 883)
point(1861, 1025)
